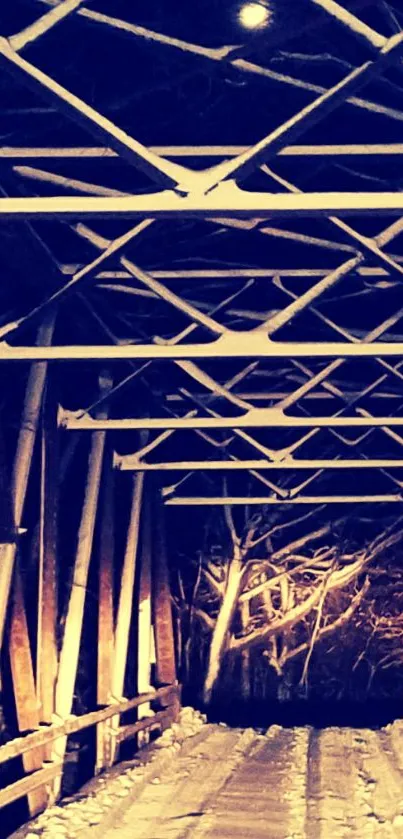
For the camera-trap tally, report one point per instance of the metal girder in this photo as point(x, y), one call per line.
point(275, 395)
point(89, 188)
point(100, 152)
point(226, 198)
point(257, 418)
point(46, 22)
point(367, 271)
point(352, 23)
point(162, 171)
point(131, 463)
point(243, 165)
point(231, 345)
point(112, 248)
point(219, 501)
point(171, 174)
point(234, 56)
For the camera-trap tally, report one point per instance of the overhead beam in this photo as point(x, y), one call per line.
point(162, 171)
point(226, 198)
point(247, 501)
point(257, 418)
point(84, 274)
point(238, 273)
point(89, 188)
point(274, 395)
point(96, 152)
point(235, 55)
point(130, 463)
point(43, 24)
point(352, 23)
point(245, 164)
point(231, 345)
point(371, 247)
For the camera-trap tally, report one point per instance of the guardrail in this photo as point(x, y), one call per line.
point(168, 697)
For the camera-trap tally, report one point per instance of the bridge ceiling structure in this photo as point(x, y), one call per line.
point(215, 215)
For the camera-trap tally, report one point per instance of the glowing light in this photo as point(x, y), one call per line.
point(254, 15)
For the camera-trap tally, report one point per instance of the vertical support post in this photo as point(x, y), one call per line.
point(69, 656)
point(162, 605)
point(22, 671)
point(144, 632)
point(23, 458)
point(144, 618)
point(105, 610)
point(47, 654)
point(125, 606)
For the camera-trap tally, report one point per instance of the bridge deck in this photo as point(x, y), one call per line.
point(226, 783)
point(290, 784)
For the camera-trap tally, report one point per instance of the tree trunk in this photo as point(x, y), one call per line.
point(221, 630)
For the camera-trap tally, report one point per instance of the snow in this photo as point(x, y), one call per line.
point(299, 783)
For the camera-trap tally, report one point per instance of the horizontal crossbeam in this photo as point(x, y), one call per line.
point(130, 463)
point(233, 501)
point(231, 345)
point(256, 418)
point(237, 273)
point(275, 395)
point(227, 198)
point(88, 152)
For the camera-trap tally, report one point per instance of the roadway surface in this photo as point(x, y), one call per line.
point(296, 783)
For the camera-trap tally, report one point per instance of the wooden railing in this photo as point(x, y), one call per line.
point(167, 697)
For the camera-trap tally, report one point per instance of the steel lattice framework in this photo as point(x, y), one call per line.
point(315, 350)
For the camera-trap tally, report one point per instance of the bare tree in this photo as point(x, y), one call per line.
point(279, 599)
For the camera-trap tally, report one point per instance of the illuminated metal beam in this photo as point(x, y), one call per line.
point(243, 165)
point(274, 395)
point(257, 418)
point(231, 345)
point(236, 273)
point(233, 55)
point(96, 152)
point(163, 171)
point(226, 198)
point(130, 463)
point(352, 23)
point(220, 501)
point(46, 22)
point(89, 188)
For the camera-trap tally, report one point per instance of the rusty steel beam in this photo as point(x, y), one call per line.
point(162, 603)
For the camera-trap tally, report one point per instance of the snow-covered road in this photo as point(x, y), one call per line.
point(223, 783)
